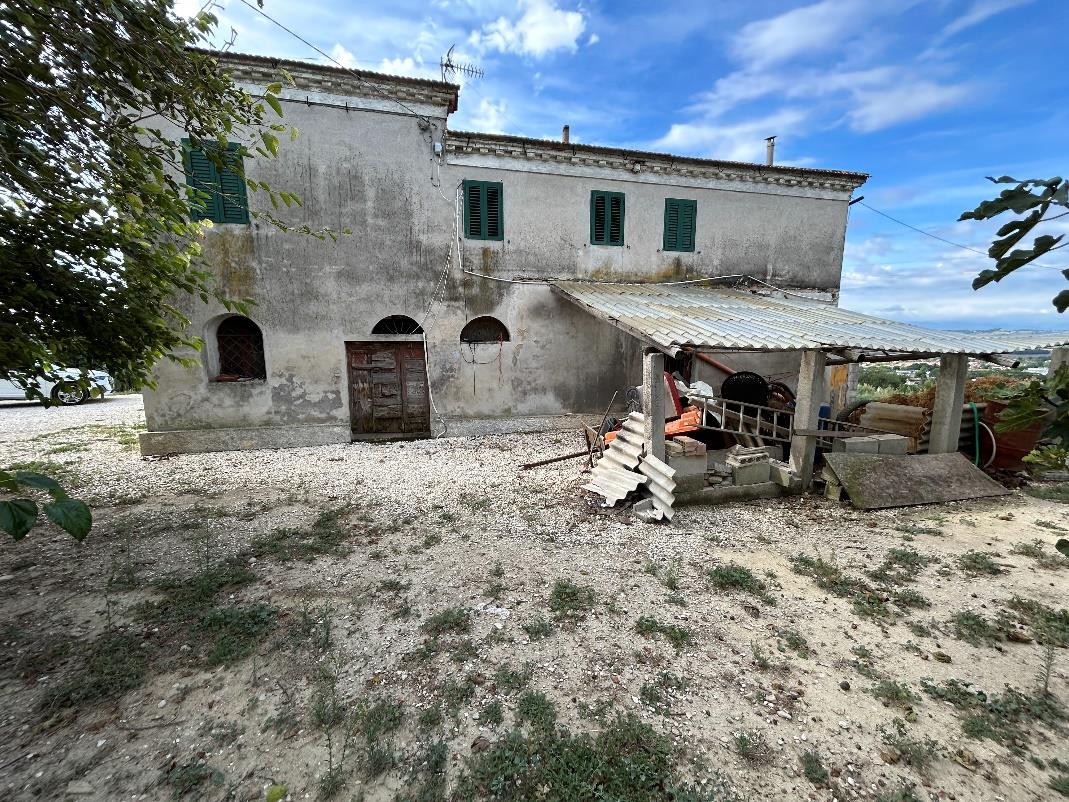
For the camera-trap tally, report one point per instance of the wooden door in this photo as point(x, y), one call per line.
point(388, 388)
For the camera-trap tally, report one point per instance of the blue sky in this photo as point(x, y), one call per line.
point(928, 96)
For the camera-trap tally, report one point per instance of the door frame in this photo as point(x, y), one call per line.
point(386, 339)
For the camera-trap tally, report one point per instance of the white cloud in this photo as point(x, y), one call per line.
point(409, 67)
point(814, 28)
point(541, 29)
point(979, 12)
point(879, 108)
point(742, 142)
point(491, 117)
point(341, 55)
point(593, 40)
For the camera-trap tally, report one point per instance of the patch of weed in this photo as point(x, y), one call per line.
point(894, 694)
point(493, 713)
point(974, 629)
point(450, 620)
point(537, 710)
point(327, 535)
point(910, 599)
point(1046, 623)
point(793, 640)
point(538, 629)
point(571, 602)
point(457, 694)
point(1036, 550)
point(678, 636)
point(900, 566)
point(813, 769)
point(1055, 492)
point(233, 633)
point(626, 762)
point(976, 563)
point(752, 747)
point(382, 718)
point(1002, 718)
point(193, 775)
point(379, 760)
point(1051, 526)
point(1060, 783)
point(430, 718)
point(111, 666)
point(658, 694)
point(738, 577)
point(919, 753)
point(512, 680)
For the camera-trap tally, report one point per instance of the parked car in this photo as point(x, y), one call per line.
point(64, 391)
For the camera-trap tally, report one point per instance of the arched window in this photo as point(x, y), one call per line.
point(241, 349)
point(484, 329)
point(397, 324)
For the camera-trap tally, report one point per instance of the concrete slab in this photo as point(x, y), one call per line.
point(878, 481)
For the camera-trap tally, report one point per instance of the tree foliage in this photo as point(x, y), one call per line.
point(97, 234)
point(1031, 200)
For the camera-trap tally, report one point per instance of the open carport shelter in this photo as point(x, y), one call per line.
point(675, 319)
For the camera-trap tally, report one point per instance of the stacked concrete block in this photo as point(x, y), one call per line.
point(749, 466)
point(688, 457)
point(780, 473)
point(891, 443)
point(856, 445)
point(872, 444)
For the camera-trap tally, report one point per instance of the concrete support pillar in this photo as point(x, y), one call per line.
point(806, 414)
point(949, 397)
point(653, 402)
point(1058, 357)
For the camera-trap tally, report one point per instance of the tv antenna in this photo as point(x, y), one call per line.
point(450, 69)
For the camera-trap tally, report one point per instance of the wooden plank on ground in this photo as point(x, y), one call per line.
point(878, 481)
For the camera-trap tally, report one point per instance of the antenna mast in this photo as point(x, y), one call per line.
point(451, 69)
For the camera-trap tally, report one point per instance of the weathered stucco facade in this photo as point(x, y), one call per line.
point(375, 156)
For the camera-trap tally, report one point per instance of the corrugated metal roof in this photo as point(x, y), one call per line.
point(674, 317)
point(1014, 341)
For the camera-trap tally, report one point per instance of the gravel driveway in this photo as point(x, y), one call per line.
point(397, 534)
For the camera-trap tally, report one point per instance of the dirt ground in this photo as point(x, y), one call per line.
point(372, 621)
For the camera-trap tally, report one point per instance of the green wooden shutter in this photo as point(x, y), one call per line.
point(597, 218)
point(234, 203)
point(201, 175)
point(606, 218)
point(679, 221)
point(484, 210)
point(226, 201)
point(688, 213)
point(616, 219)
point(473, 210)
point(494, 223)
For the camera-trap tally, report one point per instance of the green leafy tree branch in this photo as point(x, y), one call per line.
point(99, 234)
point(1033, 200)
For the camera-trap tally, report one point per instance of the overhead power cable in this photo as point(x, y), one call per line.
point(331, 58)
point(937, 237)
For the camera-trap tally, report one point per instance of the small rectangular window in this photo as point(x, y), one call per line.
point(484, 213)
point(606, 218)
point(224, 199)
point(679, 221)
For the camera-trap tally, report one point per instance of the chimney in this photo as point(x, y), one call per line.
point(770, 150)
point(565, 134)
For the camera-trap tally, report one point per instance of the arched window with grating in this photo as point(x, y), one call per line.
point(485, 329)
point(241, 349)
point(397, 324)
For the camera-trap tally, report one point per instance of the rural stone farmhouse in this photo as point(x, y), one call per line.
point(450, 299)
